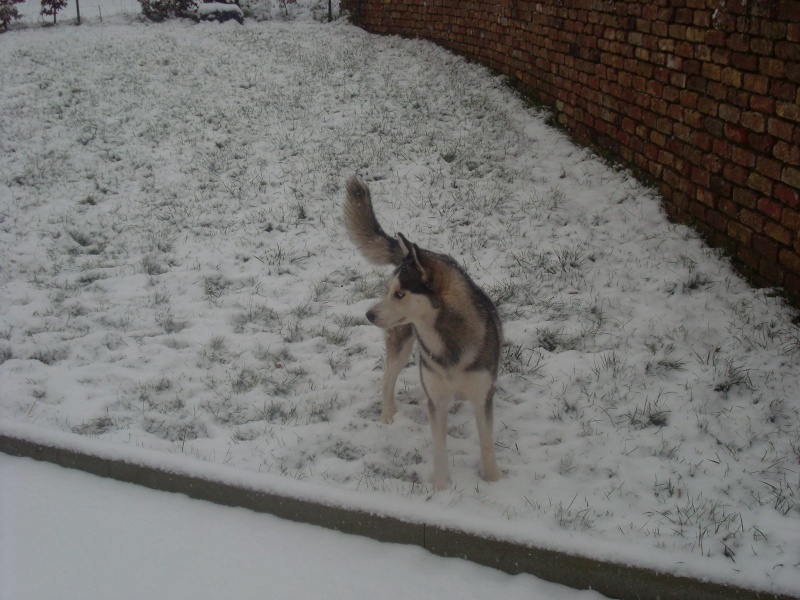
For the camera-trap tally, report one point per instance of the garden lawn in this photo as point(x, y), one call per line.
point(175, 275)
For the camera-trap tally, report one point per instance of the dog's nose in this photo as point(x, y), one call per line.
point(371, 316)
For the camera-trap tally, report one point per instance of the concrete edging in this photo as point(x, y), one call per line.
point(613, 580)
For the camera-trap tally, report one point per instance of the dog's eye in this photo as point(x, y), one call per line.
point(399, 295)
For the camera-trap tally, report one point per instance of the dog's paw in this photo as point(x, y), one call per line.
point(491, 474)
point(388, 413)
point(441, 483)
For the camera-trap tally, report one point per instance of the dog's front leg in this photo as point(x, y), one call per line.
point(399, 342)
point(439, 395)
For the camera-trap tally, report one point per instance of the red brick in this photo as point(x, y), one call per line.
point(731, 77)
point(787, 110)
point(770, 273)
point(701, 140)
point(749, 257)
point(791, 219)
point(674, 110)
point(793, 29)
point(671, 178)
point(791, 176)
point(793, 71)
point(677, 79)
point(745, 197)
point(729, 208)
point(788, 51)
point(677, 31)
point(693, 119)
point(692, 67)
point(701, 177)
point(789, 259)
point(730, 113)
point(780, 129)
point(713, 165)
point(769, 167)
point(790, 196)
point(717, 220)
point(754, 82)
point(772, 67)
point(752, 220)
point(722, 148)
point(754, 121)
point(745, 62)
point(736, 174)
point(743, 156)
point(779, 233)
point(761, 142)
point(739, 98)
point(765, 247)
point(772, 209)
point(783, 90)
point(738, 42)
point(740, 233)
point(698, 211)
point(658, 138)
point(715, 37)
point(666, 159)
point(712, 71)
point(735, 133)
point(762, 104)
point(708, 106)
point(721, 56)
point(758, 182)
point(689, 99)
point(788, 153)
point(774, 30)
point(684, 15)
point(761, 46)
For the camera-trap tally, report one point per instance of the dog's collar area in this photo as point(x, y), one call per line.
point(425, 353)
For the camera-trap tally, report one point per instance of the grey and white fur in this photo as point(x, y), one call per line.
point(432, 300)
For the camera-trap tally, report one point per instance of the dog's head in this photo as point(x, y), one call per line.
point(412, 294)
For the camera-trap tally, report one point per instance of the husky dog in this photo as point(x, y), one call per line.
point(432, 300)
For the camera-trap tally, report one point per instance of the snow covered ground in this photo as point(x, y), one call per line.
point(92, 11)
point(174, 276)
point(69, 535)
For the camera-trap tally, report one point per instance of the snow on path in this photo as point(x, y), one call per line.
point(72, 536)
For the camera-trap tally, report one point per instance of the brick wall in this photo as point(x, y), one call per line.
point(700, 96)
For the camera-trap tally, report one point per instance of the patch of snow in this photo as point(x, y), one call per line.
point(65, 534)
point(208, 8)
point(175, 279)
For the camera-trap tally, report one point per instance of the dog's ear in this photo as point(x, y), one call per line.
point(411, 251)
point(405, 245)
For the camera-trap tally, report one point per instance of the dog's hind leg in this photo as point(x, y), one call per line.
point(478, 388)
point(437, 415)
point(399, 342)
point(484, 417)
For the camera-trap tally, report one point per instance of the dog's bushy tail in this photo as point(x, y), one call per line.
point(363, 227)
